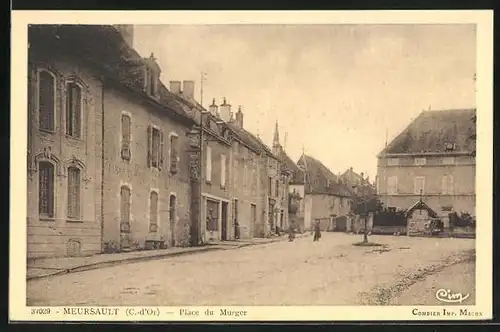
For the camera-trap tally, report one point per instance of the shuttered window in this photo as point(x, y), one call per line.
point(46, 100)
point(419, 186)
point(46, 190)
point(392, 185)
point(125, 209)
point(208, 176)
point(155, 147)
point(74, 180)
point(73, 110)
point(126, 137)
point(223, 170)
point(447, 184)
point(153, 212)
point(174, 153)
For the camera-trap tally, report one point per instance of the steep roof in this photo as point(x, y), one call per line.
point(320, 180)
point(432, 131)
point(103, 47)
point(420, 205)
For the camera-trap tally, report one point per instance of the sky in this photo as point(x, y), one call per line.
point(337, 91)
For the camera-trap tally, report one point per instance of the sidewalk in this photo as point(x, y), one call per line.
point(45, 267)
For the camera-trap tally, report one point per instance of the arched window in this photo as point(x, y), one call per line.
point(73, 110)
point(74, 185)
point(46, 189)
point(46, 100)
point(153, 211)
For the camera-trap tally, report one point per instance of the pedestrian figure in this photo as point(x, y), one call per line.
point(278, 230)
point(291, 233)
point(317, 231)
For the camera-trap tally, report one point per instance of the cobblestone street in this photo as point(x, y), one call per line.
point(329, 272)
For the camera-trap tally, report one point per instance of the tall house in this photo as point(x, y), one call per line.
point(433, 159)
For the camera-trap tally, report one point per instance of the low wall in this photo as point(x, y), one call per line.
point(382, 230)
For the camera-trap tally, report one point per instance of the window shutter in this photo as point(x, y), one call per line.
point(126, 126)
point(150, 145)
point(77, 111)
point(209, 164)
point(173, 154)
point(161, 149)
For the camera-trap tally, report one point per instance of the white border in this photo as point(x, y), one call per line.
point(484, 21)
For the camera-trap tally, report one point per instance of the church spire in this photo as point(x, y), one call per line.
point(276, 140)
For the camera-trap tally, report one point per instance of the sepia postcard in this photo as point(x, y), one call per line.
point(251, 166)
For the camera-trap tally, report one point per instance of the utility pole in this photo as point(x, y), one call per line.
point(201, 206)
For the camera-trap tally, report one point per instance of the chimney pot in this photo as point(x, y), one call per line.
point(225, 111)
point(175, 87)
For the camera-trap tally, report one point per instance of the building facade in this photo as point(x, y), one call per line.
point(326, 199)
point(432, 159)
point(64, 150)
point(105, 146)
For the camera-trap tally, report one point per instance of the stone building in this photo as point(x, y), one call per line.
point(325, 198)
point(105, 146)
point(433, 159)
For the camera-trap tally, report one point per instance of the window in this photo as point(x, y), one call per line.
point(208, 176)
point(46, 100)
point(125, 209)
point(419, 185)
point(277, 188)
point(73, 110)
point(126, 136)
point(245, 173)
point(153, 212)
point(393, 162)
point(270, 184)
point(449, 160)
point(155, 147)
point(447, 184)
point(392, 185)
point(223, 170)
point(74, 181)
point(420, 161)
point(341, 202)
point(174, 155)
point(46, 189)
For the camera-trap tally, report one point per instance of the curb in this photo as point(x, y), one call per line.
point(94, 266)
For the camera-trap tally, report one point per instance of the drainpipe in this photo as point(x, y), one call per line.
point(102, 166)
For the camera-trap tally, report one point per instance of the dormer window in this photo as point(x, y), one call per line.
point(151, 76)
point(448, 147)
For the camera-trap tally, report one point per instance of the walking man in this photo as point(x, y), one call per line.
point(317, 231)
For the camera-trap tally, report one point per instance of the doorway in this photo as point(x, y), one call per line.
point(253, 218)
point(236, 221)
point(224, 221)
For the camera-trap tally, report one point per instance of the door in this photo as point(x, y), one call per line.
point(224, 221)
point(253, 217)
point(172, 216)
point(124, 217)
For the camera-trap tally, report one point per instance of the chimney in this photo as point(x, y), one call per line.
point(175, 87)
point(239, 117)
point(188, 89)
point(213, 108)
point(225, 111)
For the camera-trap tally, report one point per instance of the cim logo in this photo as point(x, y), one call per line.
point(446, 295)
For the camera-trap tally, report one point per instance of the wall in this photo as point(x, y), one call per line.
point(243, 169)
point(139, 177)
point(213, 188)
point(463, 171)
point(50, 237)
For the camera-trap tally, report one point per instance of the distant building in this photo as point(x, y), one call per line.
point(325, 198)
point(361, 185)
point(433, 159)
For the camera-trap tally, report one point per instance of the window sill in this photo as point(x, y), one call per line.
point(76, 221)
point(47, 131)
point(74, 138)
point(47, 219)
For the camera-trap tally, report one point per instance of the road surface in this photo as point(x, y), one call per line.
point(329, 272)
